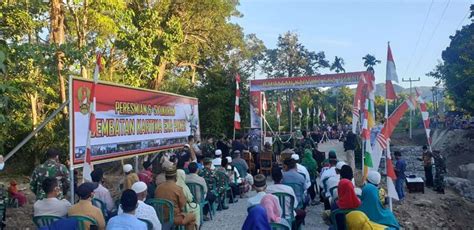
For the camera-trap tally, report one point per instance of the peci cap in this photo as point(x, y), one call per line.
point(127, 168)
point(373, 177)
point(259, 181)
point(218, 152)
point(295, 157)
point(340, 164)
point(85, 189)
point(139, 187)
point(170, 171)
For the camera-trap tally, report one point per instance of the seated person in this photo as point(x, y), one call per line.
point(233, 174)
point(347, 196)
point(259, 185)
point(372, 207)
point(374, 177)
point(357, 220)
point(272, 206)
point(101, 192)
point(143, 210)
point(193, 177)
point(169, 190)
point(14, 193)
point(51, 205)
point(127, 219)
point(256, 219)
point(291, 175)
point(85, 208)
point(217, 159)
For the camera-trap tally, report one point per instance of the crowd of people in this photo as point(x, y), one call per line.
point(200, 179)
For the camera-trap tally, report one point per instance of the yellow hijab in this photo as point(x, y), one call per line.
point(357, 220)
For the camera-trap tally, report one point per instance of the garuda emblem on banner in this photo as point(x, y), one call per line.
point(83, 96)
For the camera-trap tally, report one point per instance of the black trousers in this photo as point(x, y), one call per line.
point(312, 191)
point(211, 198)
point(429, 176)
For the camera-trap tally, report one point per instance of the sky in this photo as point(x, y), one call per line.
point(353, 28)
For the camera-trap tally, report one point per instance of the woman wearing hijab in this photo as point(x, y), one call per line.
point(372, 207)
point(357, 220)
point(347, 198)
point(191, 207)
point(272, 206)
point(312, 167)
point(257, 219)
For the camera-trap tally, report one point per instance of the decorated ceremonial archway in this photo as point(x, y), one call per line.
point(258, 87)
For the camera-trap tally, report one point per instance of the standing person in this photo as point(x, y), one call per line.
point(51, 205)
point(143, 211)
point(127, 220)
point(400, 167)
point(50, 168)
point(130, 177)
point(427, 158)
point(208, 148)
point(169, 190)
point(84, 207)
point(222, 145)
point(237, 144)
point(196, 153)
point(349, 147)
point(101, 192)
point(440, 170)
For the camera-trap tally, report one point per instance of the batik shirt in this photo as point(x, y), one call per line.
point(209, 176)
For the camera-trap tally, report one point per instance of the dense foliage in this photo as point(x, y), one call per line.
point(457, 69)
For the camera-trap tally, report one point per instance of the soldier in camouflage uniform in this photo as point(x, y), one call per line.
point(50, 168)
point(440, 170)
point(208, 174)
point(208, 148)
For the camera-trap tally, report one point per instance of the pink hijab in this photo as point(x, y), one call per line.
point(272, 207)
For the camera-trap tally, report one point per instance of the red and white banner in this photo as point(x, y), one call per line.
point(391, 75)
point(237, 105)
point(387, 130)
point(128, 121)
point(424, 115)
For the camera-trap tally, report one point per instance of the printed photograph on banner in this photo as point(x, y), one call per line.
point(130, 121)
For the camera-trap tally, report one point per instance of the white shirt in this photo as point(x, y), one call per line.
point(274, 188)
point(301, 169)
point(332, 182)
point(255, 199)
point(328, 173)
point(217, 161)
point(103, 194)
point(147, 212)
point(51, 207)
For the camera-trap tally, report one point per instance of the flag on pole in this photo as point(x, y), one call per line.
point(391, 75)
point(356, 105)
point(300, 111)
point(278, 109)
point(391, 176)
point(237, 107)
point(307, 111)
point(321, 115)
point(292, 106)
point(88, 167)
point(264, 103)
point(424, 115)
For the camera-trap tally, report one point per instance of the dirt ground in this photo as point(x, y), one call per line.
point(435, 211)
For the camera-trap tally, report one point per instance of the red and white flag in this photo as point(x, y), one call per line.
point(278, 109)
point(237, 107)
point(292, 106)
point(391, 176)
point(321, 115)
point(264, 103)
point(391, 75)
point(88, 167)
point(424, 115)
point(357, 103)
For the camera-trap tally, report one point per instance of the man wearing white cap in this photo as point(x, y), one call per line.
point(217, 160)
point(302, 170)
point(130, 177)
point(333, 180)
point(144, 211)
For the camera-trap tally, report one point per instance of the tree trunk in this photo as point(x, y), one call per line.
point(57, 37)
point(160, 75)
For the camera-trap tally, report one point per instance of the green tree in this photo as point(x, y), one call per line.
point(457, 68)
point(338, 65)
point(370, 61)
